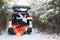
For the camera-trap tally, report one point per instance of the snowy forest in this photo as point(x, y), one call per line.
point(46, 13)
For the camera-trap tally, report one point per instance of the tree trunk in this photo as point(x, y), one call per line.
point(2, 20)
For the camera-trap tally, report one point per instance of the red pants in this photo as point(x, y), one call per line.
point(19, 30)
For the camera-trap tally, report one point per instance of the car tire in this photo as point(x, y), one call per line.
point(11, 31)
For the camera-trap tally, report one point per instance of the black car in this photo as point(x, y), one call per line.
point(22, 10)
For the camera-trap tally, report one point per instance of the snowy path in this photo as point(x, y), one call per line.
point(34, 36)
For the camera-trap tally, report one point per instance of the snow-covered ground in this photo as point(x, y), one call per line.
point(34, 36)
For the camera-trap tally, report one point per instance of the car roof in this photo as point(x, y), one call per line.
point(27, 7)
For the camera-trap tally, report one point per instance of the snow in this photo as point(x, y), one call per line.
point(18, 2)
point(33, 36)
point(22, 2)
